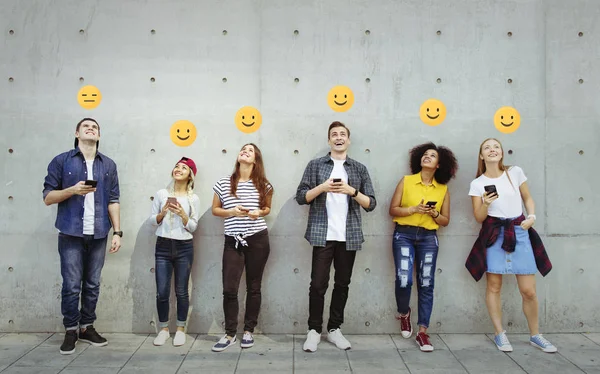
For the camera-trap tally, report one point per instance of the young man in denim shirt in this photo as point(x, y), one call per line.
point(335, 186)
point(86, 212)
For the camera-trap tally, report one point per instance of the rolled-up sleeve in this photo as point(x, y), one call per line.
point(53, 180)
point(114, 188)
point(366, 188)
point(192, 223)
point(306, 184)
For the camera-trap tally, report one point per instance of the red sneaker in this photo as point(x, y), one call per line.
point(424, 342)
point(405, 326)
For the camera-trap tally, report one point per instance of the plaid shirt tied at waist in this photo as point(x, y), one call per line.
point(490, 229)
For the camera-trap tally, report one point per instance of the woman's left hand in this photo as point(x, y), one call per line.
point(254, 214)
point(526, 224)
point(179, 211)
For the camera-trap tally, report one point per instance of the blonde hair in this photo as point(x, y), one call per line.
point(189, 192)
point(481, 168)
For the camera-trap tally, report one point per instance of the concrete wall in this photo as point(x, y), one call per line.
point(49, 49)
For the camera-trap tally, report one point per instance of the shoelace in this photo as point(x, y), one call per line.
point(405, 323)
point(424, 339)
point(247, 337)
point(543, 341)
point(503, 339)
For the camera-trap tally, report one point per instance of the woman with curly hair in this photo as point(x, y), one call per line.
point(243, 199)
point(420, 205)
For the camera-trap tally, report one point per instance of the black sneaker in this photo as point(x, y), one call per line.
point(91, 336)
point(68, 346)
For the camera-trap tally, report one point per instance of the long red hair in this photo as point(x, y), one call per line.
point(258, 176)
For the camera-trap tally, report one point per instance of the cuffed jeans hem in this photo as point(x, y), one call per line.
point(317, 329)
point(423, 325)
point(162, 325)
point(181, 323)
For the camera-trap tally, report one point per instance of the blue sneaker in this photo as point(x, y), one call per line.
point(502, 342)
point(223, 344)
point(542, 343)
point(247, 340)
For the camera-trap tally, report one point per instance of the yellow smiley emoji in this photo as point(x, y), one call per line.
point(340, 98)
point(183, 133)
point(89, 97)
point(248, 119)
point(432, 112)
point(507, 120)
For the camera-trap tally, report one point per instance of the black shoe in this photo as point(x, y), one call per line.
point(90, 335)
point(68, 346)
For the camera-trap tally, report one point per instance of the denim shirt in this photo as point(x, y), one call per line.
point(69, 168)
point(318, 171)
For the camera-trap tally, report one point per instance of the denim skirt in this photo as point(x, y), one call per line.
point(521, 261)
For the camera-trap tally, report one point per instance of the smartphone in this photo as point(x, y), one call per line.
point(431, 204)
point(90, 182)
point(244, 209)
point(491, 189)
point(172, 200)
point(337, 180)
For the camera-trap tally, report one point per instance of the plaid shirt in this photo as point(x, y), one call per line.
point(476, 262)
point(318, 171)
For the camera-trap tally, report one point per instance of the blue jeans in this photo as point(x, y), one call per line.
point(173, 255)
point(415, 244)
point(81, 262)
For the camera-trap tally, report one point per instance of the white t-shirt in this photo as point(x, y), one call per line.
point(171, 226)
point(337, 206)
point(248, 197)
point(88, 203)
point(509, 203)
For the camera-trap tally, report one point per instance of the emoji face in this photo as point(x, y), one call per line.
point(248, 119)
point(183, 133)
point(340, 98)
point(507, 120)
point(432, 112)
point(89, 97)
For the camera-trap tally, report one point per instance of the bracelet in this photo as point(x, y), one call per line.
point(438, 214)
point(532, 216)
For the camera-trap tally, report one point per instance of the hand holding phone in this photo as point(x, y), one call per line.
point(172, 201)
point(431, 204)
point(91, 183)
point(491, 189)
point(337, 180)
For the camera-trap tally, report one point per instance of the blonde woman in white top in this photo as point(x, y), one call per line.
point(175, 212)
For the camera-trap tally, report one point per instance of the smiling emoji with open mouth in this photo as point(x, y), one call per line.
point(183, 133)
point(248, 119)
point(432, 112)
point(340, 98)
point(507, 120)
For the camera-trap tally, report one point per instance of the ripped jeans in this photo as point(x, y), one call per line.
point(412, 245)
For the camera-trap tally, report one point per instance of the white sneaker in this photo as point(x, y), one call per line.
point(179, 338)
point(162, 337)
point(336, 337)
point(313, 338)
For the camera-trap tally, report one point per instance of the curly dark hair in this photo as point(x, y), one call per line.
point(447, 161)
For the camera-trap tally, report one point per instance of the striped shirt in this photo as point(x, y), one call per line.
point(248, 197)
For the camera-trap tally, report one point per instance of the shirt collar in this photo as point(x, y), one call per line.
point(327, 159)
point(76, 151)
point(420, 181)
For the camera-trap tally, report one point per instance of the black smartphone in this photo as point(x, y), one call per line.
point(431, 204)
point(337, 180)
point(491, 189)
point(90, 182)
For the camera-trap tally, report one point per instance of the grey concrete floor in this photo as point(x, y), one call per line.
point(454, 353)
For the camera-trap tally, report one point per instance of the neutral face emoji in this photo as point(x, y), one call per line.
point(340, 98)
point(183, 133)
point(248, 119)
point(432, 112)
point(89, 97)
point(507, 120)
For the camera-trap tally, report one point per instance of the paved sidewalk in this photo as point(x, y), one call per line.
point(377, 354)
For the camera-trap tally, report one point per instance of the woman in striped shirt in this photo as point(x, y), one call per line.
point(243, 199)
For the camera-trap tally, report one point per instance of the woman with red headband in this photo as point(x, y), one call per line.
point(175, 212)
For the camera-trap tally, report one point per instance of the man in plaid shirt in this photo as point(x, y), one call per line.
point(335, 186)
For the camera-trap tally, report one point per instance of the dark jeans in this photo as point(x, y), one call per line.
point(173, 255)
point(254, 258)
point(343, 262)
point(415, 244)
point(81, 262)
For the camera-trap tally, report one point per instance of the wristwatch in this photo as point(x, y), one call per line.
point(120, 233)
point(355, 192)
